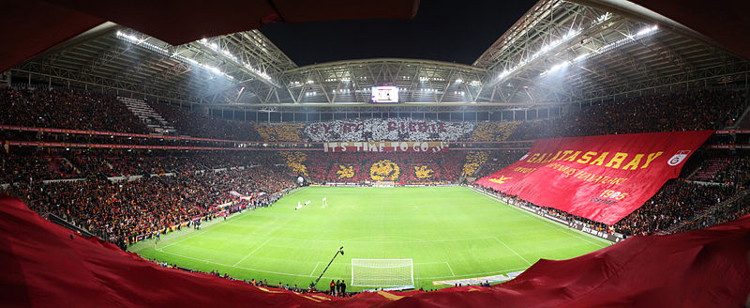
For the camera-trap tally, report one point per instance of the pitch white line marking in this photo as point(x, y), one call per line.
point(252, 252)
point(513, 251)
point(314, 268)
point(450, 268)
point(240, 267)
point(474, 275)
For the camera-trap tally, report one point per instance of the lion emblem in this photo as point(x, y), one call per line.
point(384, 170)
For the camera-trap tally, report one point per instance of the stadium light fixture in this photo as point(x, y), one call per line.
point(644, 32)
point(228, 54)
point(542, 51)
point(133, 39)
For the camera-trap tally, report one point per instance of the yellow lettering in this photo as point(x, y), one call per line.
point(572, 157)
point(542, 158)
point(617, 160)
point(651, 158)
point(565, 153)
point(633, 164)
point(532, 159)
point(554, 158)
point(600, 160)
point(586, 157)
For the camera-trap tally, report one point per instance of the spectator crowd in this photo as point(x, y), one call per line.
point(398, 129)
point(123, 210)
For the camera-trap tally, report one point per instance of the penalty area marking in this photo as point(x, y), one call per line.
point(503, 271)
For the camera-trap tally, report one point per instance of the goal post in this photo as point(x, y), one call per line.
point(382, 272)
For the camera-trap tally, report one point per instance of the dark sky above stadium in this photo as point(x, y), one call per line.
point(445, 30)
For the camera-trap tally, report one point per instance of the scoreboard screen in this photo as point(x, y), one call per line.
point(385, 94)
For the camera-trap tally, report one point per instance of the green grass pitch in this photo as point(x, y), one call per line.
point(449, 232)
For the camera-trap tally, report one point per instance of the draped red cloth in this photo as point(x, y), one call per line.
point(602, 178)
point(45, 265)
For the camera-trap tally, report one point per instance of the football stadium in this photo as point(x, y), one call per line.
point(390, 153)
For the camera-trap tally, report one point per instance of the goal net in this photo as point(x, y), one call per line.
point(382, 272)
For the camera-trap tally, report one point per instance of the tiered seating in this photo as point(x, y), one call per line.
point(692, 110)
point(121, 211)
point(280, 132)
point(66, 109)
point(35, 167)
point(153, 120)
point(709, 169)
point(199, 125)
point(398, 167)
point(497, 161)
point(473, 161)
point(493, 131)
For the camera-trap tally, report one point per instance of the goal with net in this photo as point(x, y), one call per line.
point(382, 272)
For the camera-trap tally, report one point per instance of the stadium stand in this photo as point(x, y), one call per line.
point(398, 167)
point(153, 120)
point(280, 132)
point(125, 210)
point(690, 110)
point(199, 125)
point(59, 108)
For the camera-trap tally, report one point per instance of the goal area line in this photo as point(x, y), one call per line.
point(382, 272)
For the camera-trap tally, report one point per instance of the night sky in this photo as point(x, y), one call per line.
point(451, 31)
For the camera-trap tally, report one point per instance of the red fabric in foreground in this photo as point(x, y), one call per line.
point(43, 266)
point(602, 178)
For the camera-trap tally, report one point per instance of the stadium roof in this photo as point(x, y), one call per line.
point(558, 52)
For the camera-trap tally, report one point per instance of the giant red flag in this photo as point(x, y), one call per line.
point(602, 178)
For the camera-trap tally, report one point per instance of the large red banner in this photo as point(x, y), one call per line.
point(602, 178)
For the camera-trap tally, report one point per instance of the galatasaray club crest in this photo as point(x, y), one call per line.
point(678, 157)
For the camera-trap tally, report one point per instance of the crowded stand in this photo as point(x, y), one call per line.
point(736, 171)
point(280, 132)
point(677, 200)
point(498, 160)
point(474, 160)
point(198, 125)
point(51, 165)
point(490, 132)
point(398, 167)
point(397, 129)
point(691, 110)
point(65, 108)
point(125, 210)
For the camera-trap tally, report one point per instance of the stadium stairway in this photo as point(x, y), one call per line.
point(153, 120)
